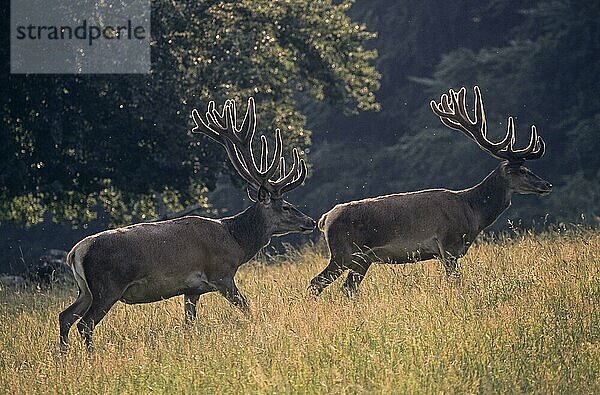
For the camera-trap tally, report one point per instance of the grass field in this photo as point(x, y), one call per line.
point(524, 317)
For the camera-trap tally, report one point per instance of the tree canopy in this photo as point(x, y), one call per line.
point(75, 143)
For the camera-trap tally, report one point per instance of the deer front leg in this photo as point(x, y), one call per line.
point(449, 261)
point(189, 308)
point(230, 291)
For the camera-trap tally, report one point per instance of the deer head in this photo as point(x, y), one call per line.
point(453, 113)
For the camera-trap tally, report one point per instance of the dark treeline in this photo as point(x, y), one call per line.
point(537, 61)
point(101, 150)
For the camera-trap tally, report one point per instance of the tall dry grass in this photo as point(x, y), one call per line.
point(524, 317)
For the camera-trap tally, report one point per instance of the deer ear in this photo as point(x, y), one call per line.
point(263, 196)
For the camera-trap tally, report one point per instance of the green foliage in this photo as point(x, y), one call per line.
point(76, 146)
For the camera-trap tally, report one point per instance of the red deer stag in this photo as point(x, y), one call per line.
point(435, 223)
point(191, 255)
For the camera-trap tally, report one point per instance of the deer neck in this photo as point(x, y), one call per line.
point(490, 198)
point(249, 229)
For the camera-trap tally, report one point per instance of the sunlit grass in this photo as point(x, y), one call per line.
point(524, 317)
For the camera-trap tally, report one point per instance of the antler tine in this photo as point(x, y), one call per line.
point(217, 118)
point(238, 164)
point(282, 168)
point(275, 162)
point(480, 119)
point(444, 111)
point(298, 181)
point(229, 117)
point(242, 139)
point(263, 172)
point(249, 123)
point(446, 105)
point(202, 127)
point(453, 114)
point(534, 150)
point(472, 128)
point(218, 123)
point(294, 178)
point(225, 123)
point(462, 118)
point(264, 153)
point(243, 144)
point(443, 108)
point(213, 117)
point(288, 177)
point(460, 105)
point(233, 114)
point(539, 151)
point(480, 111)
point(222, 135)
point(532, 140)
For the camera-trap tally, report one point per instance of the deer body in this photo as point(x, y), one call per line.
point(388, 227)
point(192, 255)
point(435, 223)
point(406, 227)
point(153, 272)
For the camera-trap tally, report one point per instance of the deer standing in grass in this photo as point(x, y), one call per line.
point(416, 226)
point(192, 255)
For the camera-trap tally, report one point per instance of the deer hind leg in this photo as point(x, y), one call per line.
point(451, 266)
point(71, 314)
point(189, 308)
point(95, 314)
point(358, 270)
point(76, 310)
point(352, 282)
point(104, 296)
point(334, 269)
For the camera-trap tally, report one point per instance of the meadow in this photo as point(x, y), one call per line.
point(523, 317)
